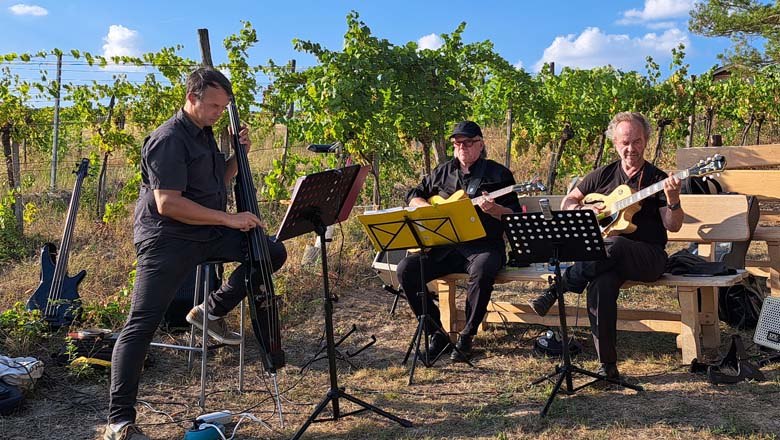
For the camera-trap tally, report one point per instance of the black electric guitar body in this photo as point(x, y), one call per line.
point(57, 295)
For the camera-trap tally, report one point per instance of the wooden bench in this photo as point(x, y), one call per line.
point(755, 170)
point(708, 219)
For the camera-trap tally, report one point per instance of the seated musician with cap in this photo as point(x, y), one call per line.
point(472, 172)
point(638, 255)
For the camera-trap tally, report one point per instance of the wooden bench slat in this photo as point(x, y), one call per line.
point(764, 184)
point(767, 233)
point(736, 157)
point(529, 274)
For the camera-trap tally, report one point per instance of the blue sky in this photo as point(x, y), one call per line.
point(583, 33)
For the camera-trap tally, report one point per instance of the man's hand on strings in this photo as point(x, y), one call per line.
point(243, 137)
point(243, 221)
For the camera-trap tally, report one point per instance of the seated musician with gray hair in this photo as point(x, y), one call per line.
point(637, 255)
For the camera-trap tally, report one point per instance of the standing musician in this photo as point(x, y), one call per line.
point(470, 171)
point(180, 222)
point(638, 256)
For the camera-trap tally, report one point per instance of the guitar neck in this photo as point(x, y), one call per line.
point(61, 266)
point(647, 192)
point(498, 193)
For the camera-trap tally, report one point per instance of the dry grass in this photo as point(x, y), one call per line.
point(453, 401)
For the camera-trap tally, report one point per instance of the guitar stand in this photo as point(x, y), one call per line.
point(340, 355)
point(398, 293)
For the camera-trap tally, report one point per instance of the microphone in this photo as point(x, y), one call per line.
point(544, 204)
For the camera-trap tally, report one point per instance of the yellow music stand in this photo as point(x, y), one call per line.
point(423, 227)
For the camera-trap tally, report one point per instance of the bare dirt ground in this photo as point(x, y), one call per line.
point(452, 401)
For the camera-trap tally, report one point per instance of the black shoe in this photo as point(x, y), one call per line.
point(439, 343)
point(609, 371)
point(544, 302)
point(463, 346)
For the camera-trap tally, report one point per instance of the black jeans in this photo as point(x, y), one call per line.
point(482, 268)
point(626, 260)
point(163, 265)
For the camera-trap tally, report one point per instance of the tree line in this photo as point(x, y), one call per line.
point(378, 99)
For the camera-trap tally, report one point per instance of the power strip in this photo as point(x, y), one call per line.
point(221, 417)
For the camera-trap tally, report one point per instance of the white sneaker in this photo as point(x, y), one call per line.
point(218, 328)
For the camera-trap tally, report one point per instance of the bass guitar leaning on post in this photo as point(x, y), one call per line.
point(57, 295)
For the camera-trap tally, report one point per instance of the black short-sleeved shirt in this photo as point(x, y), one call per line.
point(649, 226)
point(179, 156)
point(447, 178)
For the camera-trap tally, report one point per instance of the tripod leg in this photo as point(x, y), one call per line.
point(415, 342)
point(598, 377)
point(403, 422)
point(556, 388)
point(313, 416)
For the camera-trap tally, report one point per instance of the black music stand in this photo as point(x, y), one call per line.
point(320, 200)
point(439, 229)
point(567, 236)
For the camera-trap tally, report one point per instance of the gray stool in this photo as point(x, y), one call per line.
point(202, 290)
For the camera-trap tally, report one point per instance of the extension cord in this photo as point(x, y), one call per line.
point(221, 417)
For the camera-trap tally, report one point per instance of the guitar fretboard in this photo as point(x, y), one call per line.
point(646, 192)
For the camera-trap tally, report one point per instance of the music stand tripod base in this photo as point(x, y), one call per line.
point(562, 236)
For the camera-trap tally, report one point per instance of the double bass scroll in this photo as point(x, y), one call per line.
point(263, 302)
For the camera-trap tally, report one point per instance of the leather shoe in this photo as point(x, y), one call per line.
point(544, 302)
point(609, 370)
point(439, 343)
point(463, 352)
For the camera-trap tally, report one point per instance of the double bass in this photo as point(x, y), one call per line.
point(263, 302)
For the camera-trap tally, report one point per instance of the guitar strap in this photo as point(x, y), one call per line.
point(476, 178)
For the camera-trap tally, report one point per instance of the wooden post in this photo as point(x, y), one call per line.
point(509, 116)
point(600, 153)
point(55, 138)
point(691, 120)
point(286, 142)
point(205, 48)
point(19, 204)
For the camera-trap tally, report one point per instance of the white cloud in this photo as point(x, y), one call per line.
point(658, 10)
point(431, 41)
point(661, 25)
point(121, 41)
point(518, 65)
point(23, 9)
point(593, 48)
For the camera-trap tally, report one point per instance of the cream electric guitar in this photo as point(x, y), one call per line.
point(622, 203)
point(524, 188)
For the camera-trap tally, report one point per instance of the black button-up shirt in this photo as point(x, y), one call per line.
point(179, 156)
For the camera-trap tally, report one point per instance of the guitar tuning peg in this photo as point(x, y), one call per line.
point(703, 178)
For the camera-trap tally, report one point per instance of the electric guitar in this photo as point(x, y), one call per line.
point(524, 188)
point(622, 203)
point(57, 296)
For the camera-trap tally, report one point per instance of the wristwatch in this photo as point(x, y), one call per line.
point(673, 206)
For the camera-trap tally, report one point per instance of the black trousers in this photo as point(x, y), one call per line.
point(481, 266)
point(626, 260)
point(163, 265)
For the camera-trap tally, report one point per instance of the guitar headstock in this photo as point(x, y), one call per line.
point(83, 168)
point(707, 166)
point(529, 187)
